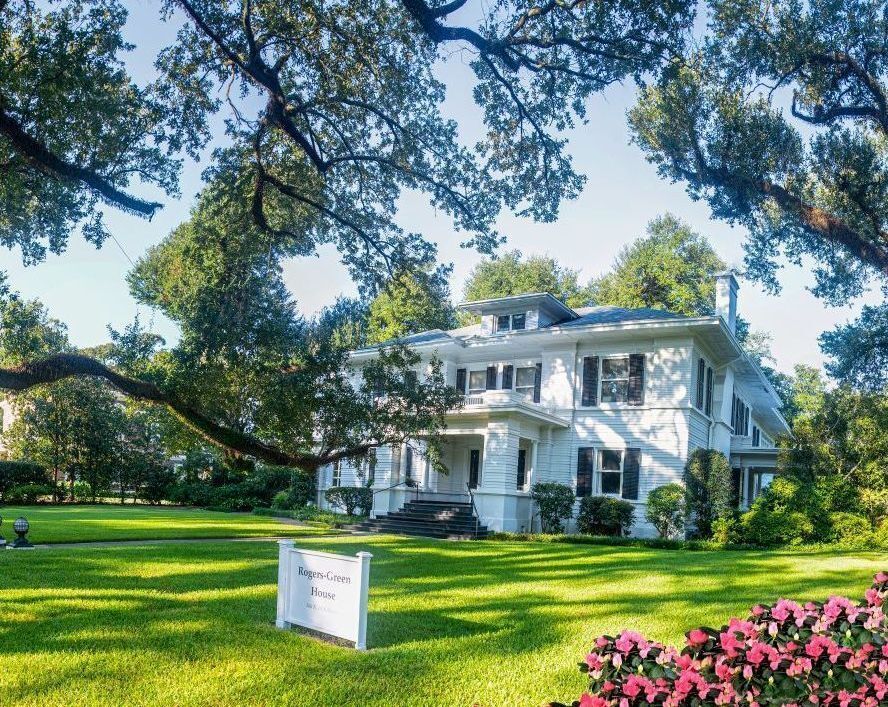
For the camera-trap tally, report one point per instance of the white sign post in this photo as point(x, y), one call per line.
point(324, 592)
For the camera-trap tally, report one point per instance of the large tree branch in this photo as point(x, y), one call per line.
point(38, 155)
point(60, 366)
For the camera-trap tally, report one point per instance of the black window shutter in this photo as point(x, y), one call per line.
point(408, 465)
point(708, 391)
point(507, 377)
point(585, 469)
point(461, 380)
point(590, 381)
point(491, 378)
point(537, 382)
point(631, 472)
point(636, 379)
point(701, 374)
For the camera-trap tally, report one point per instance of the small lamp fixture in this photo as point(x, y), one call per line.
point(2, 539)
point(21, 528)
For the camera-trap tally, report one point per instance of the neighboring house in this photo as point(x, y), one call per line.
point(607, 400)
point(7, 415)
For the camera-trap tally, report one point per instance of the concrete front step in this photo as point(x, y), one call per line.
point(443, 535)
point(396, 526)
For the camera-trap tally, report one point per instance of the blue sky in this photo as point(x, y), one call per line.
point(86, 289)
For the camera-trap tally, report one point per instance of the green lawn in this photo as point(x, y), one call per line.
point(62, 524)
point(495, 623)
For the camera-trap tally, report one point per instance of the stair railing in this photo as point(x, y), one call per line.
point(409, 483)
point(474, 509)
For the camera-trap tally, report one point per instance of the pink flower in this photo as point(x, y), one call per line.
point(697, 637)
point(587, 700)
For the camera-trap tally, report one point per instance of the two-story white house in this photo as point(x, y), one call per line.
point(607, 400)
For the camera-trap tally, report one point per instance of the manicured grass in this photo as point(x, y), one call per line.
point(74, 523)
point(497, 623)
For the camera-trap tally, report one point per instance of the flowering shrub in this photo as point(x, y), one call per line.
point(788, 654)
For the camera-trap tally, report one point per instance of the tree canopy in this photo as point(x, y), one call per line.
point(511, 274)
point(672, 268)
point(778, 120)
point(411, 303)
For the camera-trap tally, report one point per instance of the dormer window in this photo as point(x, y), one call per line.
point(511, 322)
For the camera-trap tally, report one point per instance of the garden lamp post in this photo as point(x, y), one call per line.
point(21, 527)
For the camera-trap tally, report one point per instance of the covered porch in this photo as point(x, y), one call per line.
point(492, 459)
point(753, 470)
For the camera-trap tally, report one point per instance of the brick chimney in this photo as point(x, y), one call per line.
point(726, 298)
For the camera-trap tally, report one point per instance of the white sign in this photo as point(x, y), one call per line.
point(324, 592)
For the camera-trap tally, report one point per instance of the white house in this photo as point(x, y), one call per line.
point(608, 400)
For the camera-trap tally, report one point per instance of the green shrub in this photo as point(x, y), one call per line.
point(880, 534)
point(19, 473)
point(767, 528)
point(26, 494)
point(850, 529)
point(555, 503)
point(82, 492)
point(604, 515)
point(874, 503)
point(726, 529)
point(666, 510)
point(350, 499)
point(708, 491)
point(281, 500)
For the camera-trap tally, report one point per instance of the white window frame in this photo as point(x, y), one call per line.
point(336, 474)
point(525, 390)
point(601, 380)
point(600, 470)
point(477, 391)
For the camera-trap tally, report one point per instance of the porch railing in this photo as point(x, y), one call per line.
point(474, 508)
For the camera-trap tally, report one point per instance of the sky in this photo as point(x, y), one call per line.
point(86, 287)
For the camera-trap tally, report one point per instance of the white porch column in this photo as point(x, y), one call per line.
point(531, 473)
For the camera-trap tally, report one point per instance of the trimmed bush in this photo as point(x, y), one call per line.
point(707, 489)
point(555, 503)
point(767, 528)
point(281, 500)
point(19, 473)
point(830, 653)
point(354, 500)
point(880, 535)
point(850, 529)
point(603, 515)
point(666, 510)
point(27, 494)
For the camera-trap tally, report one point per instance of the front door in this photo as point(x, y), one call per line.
point(474, 467)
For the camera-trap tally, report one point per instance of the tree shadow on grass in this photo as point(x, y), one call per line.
point(429, 603)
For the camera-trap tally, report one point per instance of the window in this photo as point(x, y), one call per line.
point(524, 381)
point(615, 379)
point(336, 479)
point(709, 391)
point(701, 383)
point(739, 416)
point(610, 471)
point(756, 436)
point(522, 470)
point(511, 322)
point(477, 382)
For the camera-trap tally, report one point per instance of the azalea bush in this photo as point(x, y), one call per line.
point(788, 654)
